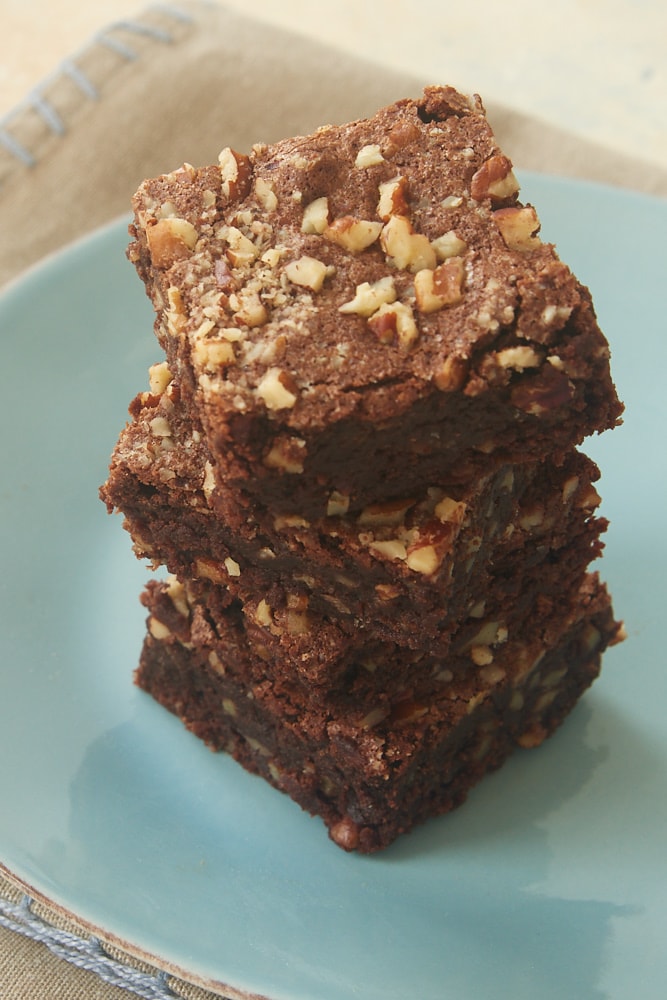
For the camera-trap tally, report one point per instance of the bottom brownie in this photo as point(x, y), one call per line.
point(374, 777)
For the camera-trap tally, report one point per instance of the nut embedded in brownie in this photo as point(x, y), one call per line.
point(372, 775)
point(359, 457)
point(409, 568)
point(355, 314)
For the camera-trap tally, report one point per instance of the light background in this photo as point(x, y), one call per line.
point(596, 67)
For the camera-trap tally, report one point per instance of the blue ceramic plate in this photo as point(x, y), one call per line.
point(549, 882)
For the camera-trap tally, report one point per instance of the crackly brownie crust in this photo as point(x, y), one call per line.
point(359, 460)
point(360, 312)
point(375, 776)
point(409, 570)
point(299, 650)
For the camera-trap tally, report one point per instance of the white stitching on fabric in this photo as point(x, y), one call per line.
point(87, 954)
point(176, 13)
point(14, 147)
point(47, 113)
point(37, 100)
point(138, 28)
point(115, 44)
point(76, 74)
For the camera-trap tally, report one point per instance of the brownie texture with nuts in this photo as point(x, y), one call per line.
point(408, 570)
point(374, 775)
point(358, 313)
point(358, 460)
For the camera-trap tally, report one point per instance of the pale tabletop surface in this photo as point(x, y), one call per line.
point(595, 68)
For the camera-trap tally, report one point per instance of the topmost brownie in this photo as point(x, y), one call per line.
point(369, 309)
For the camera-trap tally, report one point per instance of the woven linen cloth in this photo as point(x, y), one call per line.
point(182, 81)
point(177, 84)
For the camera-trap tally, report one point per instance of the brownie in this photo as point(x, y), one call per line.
point(374, 775)
point(358, 461)
point(300, 649)
point(359, 313)
point(409, 570)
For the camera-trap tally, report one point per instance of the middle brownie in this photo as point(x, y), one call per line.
point(408, 572)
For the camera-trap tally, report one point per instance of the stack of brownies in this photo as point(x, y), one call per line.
point(358, 463)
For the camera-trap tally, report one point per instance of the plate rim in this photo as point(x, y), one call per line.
point(61, 257)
